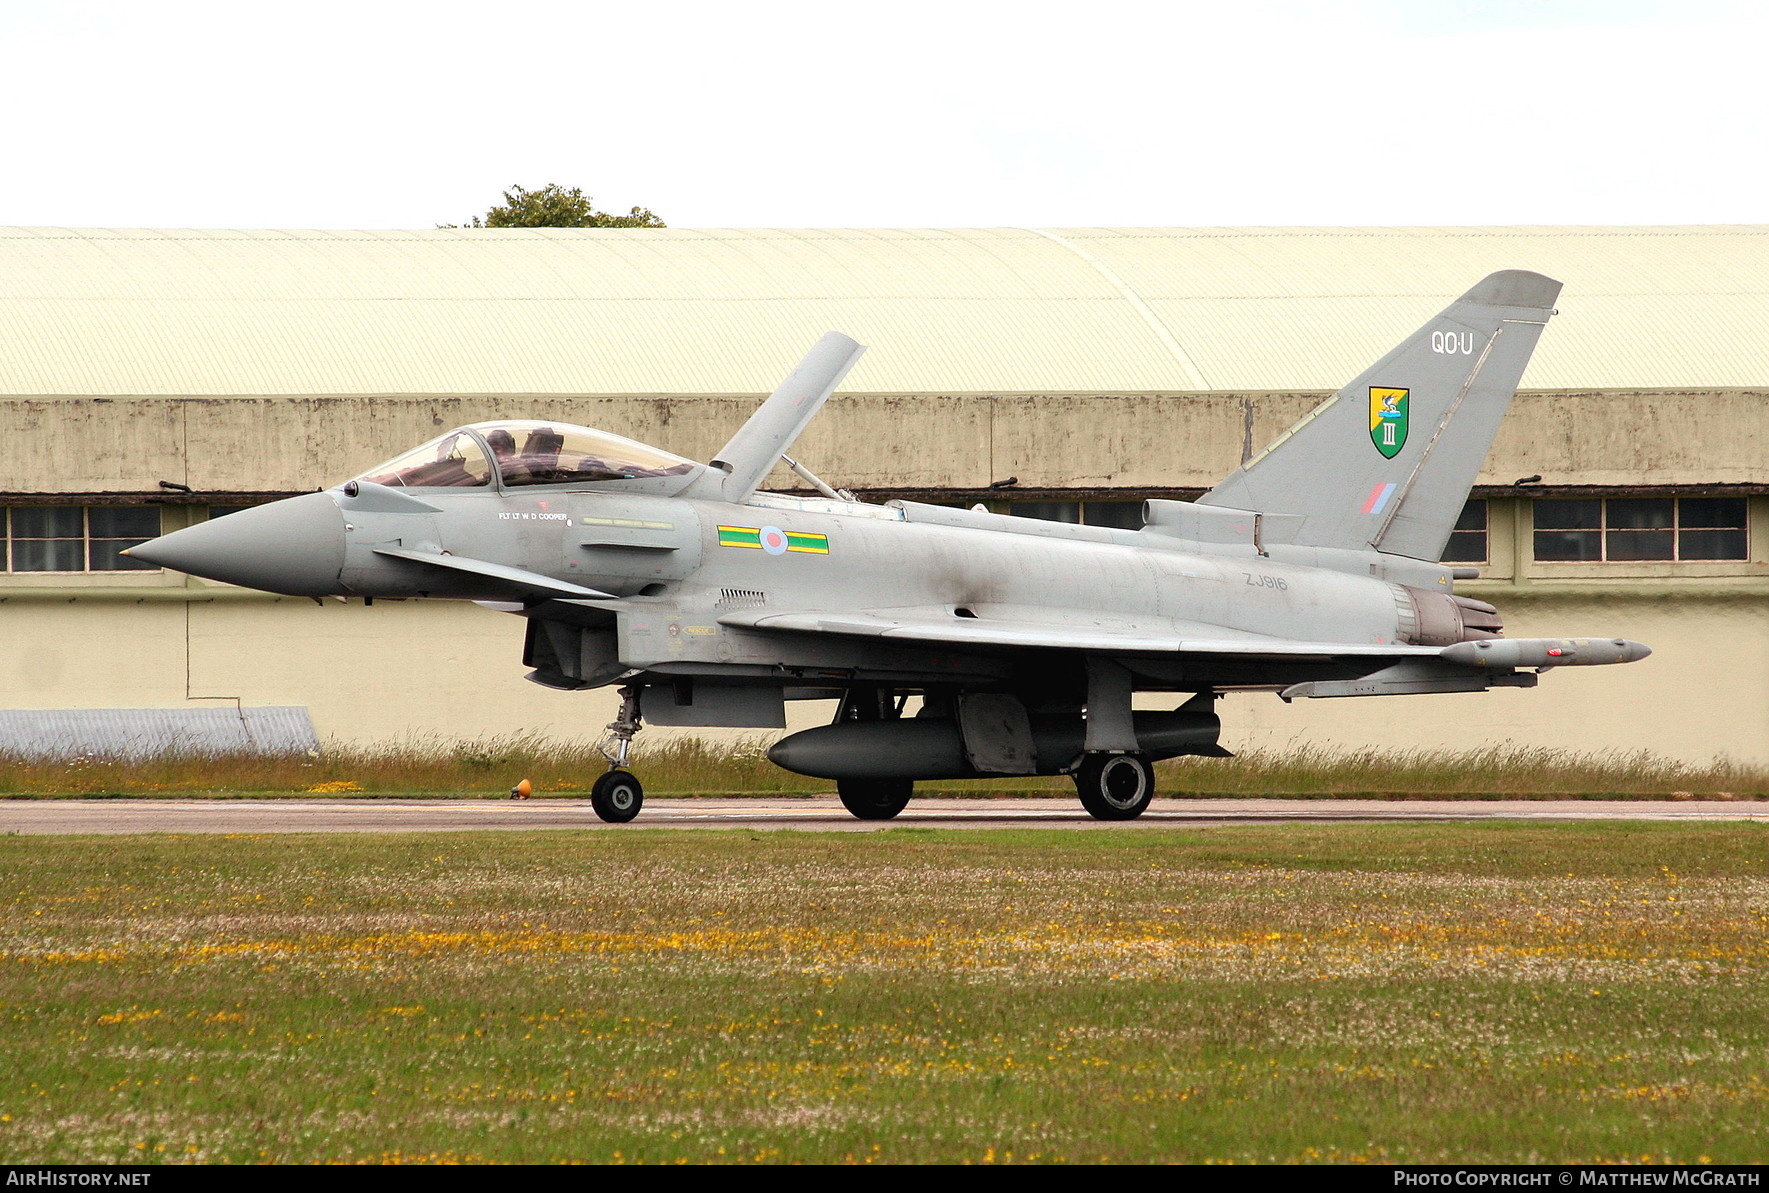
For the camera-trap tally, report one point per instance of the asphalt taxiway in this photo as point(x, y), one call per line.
point(807, 814)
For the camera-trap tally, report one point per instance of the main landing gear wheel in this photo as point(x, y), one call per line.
point(1115, 786)
point(617, 797)
point(875, 799)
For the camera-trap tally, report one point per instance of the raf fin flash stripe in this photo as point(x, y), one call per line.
point(751, 536)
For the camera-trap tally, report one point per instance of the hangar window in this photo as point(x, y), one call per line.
point(1617, 529)
point(1467, 542)
point(1124, 515)
point(1047, 511)
point(77, 538)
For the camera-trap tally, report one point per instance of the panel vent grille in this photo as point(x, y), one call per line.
point(742, 598)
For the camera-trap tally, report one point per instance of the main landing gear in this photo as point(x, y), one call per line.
point(1115, 786)
point(617, 796)
point(875, 799)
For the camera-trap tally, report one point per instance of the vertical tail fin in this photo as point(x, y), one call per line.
point(1387, 461)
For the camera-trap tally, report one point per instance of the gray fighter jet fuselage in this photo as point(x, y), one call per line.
point(1309, 572)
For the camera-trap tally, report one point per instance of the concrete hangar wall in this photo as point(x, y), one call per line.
point(149, 379)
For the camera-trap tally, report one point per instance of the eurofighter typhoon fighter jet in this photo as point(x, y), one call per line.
point(1311, 571)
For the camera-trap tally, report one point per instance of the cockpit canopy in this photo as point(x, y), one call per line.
point(525, 452)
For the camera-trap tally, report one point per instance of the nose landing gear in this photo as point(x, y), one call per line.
point(617, 796)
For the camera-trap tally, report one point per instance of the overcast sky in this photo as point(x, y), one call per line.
point(370, 115)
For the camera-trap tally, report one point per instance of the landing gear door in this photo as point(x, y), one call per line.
point(997, 734)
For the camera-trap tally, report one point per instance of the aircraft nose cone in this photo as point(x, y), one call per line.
point(295, 547)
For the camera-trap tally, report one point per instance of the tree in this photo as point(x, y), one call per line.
point(554, 206)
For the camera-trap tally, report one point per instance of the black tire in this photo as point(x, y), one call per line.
point(875, 799)
point(617, 797)
point(1115, 786)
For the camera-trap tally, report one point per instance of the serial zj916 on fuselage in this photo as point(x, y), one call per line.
point(1309, 572)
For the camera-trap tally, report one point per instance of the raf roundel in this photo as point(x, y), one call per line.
point(773, 540)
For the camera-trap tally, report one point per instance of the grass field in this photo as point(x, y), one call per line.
point(1500, 992)
point(489, 768)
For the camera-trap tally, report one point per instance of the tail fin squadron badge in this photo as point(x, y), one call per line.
point(1388, 420)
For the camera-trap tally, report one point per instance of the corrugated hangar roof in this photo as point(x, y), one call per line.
point(719, 311)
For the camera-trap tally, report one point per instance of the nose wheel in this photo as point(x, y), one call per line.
point(617, 795)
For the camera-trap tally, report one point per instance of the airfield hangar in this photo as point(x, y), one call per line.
point(151, 379)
